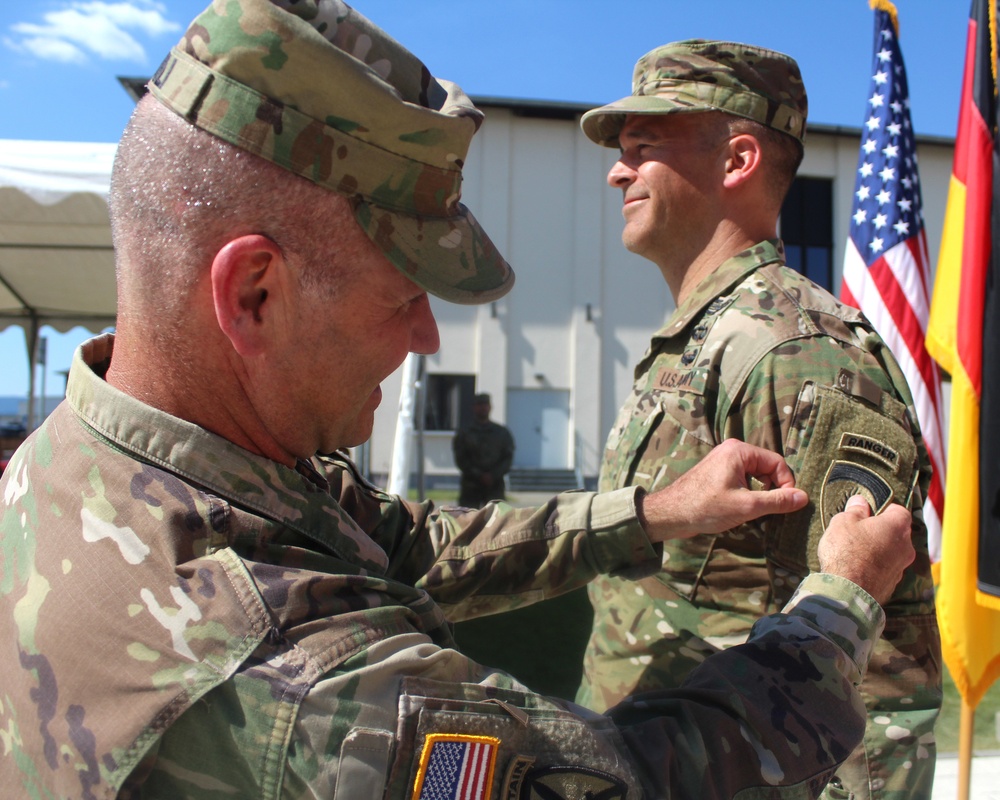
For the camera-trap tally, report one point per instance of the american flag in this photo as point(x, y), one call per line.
point(456, 767)
point(886, 264)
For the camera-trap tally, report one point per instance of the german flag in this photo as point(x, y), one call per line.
point(964, 337)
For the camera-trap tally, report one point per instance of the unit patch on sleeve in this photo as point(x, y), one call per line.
point(873, 447)
point(838, 445)
point(571, 783)
point(845, 479)
point(456, 767)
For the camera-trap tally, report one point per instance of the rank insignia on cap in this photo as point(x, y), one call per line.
point(456, 767)
point(845, 479)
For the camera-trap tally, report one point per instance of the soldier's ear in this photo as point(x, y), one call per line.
point(247, 287)
point(744, 157)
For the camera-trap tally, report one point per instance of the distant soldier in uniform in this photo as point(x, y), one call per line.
point(194, 604)
point(710, 140)
point(483, 450)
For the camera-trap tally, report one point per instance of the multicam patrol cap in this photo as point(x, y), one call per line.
point(703, 75)
point(318, 89)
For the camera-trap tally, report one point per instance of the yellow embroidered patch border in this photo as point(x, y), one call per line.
point(455, 766)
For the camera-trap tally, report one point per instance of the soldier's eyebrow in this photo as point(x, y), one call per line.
point(642, 134)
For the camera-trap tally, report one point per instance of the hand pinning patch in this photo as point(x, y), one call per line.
point(844, 446)
point(845, 479)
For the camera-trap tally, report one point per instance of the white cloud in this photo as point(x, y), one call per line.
point(128, 15)
point(50, 49)
point(80, 29)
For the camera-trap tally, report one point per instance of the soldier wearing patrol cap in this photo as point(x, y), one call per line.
point(197, 605)
point(710, 140)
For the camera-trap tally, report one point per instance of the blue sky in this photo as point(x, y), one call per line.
point(59, 60)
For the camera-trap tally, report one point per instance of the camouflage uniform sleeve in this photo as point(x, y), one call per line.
point(790, 691)
point(781, 409)
point(500, 557)
point(780, 712)
point(766, 402)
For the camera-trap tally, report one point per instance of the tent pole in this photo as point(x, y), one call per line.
point(32, 336)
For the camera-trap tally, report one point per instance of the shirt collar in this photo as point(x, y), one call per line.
point(720, 282)
point(288, 496)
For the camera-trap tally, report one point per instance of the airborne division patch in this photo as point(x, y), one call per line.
point(845, 479)
point(844, 445)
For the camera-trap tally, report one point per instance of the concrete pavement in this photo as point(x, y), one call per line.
point(985, 783)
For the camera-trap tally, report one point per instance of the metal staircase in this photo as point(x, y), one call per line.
point(536, 479)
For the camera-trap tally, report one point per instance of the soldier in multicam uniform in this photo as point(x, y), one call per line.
point(710, 140)
point(194, 605)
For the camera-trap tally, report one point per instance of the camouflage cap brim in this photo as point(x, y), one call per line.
point(468, 269)
point(602, 125)
point(324, 93)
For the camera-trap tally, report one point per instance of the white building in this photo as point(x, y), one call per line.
point(557, 353)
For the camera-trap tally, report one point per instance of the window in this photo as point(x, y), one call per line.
point(448, 402)
point(807, 229)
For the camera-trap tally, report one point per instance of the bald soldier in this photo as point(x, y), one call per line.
point(710, 140)
point(196, 604)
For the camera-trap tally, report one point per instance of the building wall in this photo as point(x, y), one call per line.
point(582, 309)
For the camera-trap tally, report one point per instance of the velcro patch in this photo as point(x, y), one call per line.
point(845, 479)
point(456, 767)
point(839, 445)
point(873, 447)
point(571, 783)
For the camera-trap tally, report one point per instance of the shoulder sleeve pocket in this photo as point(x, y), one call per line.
point(364, 763)
point(841, 446)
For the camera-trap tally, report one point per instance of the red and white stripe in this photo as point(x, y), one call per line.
point(893, 294)
point(474, 772)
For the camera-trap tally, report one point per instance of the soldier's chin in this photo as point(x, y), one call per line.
point(361, 432)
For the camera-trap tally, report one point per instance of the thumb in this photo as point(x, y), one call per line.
point(858, 506)
point(780, 501)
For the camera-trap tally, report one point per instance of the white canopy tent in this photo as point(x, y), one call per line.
point(56, 258)
point(57, 261)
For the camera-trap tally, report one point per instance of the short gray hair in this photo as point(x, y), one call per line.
point(178, 194)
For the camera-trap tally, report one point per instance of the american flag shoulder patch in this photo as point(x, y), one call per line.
point(456, 766)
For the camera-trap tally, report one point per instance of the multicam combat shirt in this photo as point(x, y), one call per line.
point(760, 353)
point(181, 618)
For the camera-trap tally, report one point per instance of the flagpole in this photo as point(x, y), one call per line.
point(965, 750)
